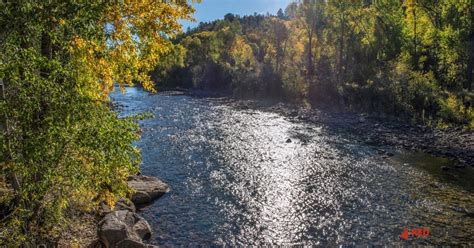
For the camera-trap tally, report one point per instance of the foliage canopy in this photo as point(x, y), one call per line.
point(411, 58)
point(62, 144)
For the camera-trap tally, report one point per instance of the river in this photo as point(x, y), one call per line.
point(244, 177)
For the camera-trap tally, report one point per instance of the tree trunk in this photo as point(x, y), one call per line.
point(278, 54)
point(310, 55)
point(341, 51)
point(415, 52)
point(11, 177)
point(470, 64)
point(46, 45)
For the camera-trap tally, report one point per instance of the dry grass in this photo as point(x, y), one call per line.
point(82, 232)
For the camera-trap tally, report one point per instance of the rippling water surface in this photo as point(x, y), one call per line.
point(237, 179)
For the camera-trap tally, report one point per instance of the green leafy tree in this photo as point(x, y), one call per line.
point(63, 147)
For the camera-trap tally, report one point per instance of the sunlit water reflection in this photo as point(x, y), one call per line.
point(248, 177)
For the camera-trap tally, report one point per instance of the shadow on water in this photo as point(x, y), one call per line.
point(443, 169)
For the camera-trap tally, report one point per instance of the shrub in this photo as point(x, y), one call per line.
point(453, 111)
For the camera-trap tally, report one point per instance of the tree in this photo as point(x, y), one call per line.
point(229, 17)
point(243, 68)
point(410, 58)
point(312, 14)
point(59, 61)
point(280, 14)
point(278, 37)
point(291, 10)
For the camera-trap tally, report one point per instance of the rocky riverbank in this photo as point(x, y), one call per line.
point(456, 144)
point(122, 226)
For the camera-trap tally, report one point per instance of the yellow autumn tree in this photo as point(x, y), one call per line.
point(135, 35)
point(63, 147)
point(245, 69)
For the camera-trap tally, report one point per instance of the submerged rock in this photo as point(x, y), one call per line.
point(147, 189)
point(123, 227)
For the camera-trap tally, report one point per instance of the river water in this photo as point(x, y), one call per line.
point(236, 179)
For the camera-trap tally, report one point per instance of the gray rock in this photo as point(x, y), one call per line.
point(147, 189)
point(104, 209)
point(141, 197)
point(112, 230)
point(143, 229)
point(288, 141)
point(118, 226)
point(130, 244)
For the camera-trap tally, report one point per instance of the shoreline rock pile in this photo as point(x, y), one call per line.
point(123, 227)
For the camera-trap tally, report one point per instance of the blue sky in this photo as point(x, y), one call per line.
point(209, 10)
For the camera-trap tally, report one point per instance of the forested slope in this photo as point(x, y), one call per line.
point(411, 58)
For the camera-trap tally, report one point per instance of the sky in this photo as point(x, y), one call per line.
point(209, 10)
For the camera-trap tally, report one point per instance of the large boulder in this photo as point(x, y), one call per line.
point(119, 226)
point(130, 244)
point(147, 189)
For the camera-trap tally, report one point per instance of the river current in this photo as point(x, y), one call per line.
point(245, 177)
